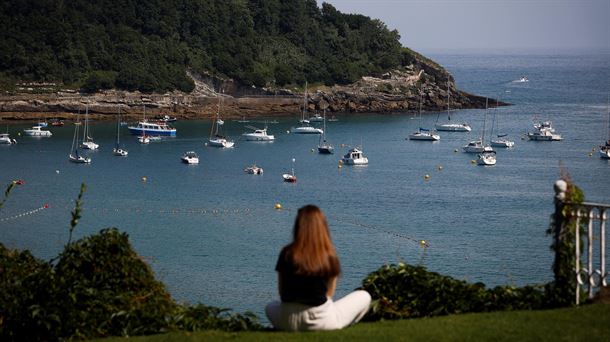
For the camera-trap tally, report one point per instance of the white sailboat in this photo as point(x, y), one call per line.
point(87, 140)
point(324, 147)
point(478, 146)
point(143, 138)
point(75, 156)
point(216, 138)
point(118, 150)
point(422, 133)
point(290, 177)
point(5, 138)
point(305, 128)
point(451, 127)
point(501, 139)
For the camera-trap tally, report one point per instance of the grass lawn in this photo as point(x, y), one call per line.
point(585, 323)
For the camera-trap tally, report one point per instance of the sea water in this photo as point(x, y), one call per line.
point(212, 233)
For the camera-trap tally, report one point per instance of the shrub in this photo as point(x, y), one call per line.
point(406, 291)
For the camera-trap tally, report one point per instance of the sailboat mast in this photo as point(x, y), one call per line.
point(484, 120)
point(448, 113)
point(304, 103)
point(118, 124)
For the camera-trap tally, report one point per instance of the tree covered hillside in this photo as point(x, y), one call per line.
point(149, 45)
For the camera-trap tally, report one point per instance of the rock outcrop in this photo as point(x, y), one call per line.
point(394, 91)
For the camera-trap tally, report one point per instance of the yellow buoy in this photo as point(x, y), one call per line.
point(426, 177)
point(473, 161)
point(278, 206)
point(144, 179)
point(339, 166)
point(422, 242)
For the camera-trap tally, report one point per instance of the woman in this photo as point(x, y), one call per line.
point(307, 277)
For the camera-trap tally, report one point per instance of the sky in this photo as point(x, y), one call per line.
point(486, 25)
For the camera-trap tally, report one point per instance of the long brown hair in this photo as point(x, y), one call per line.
point(312, 251)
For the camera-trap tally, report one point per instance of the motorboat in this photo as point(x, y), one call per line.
point(523, 79)
point(604, 151)
point(257, 135)
point(476, 146)
point(120, 152)
point(306, 129)
point(355, 157)
point(5, 139)
point(57, 123)
point(254, 170)
point(42, 124)
point(37, 131)
point(544, 132)
point(449, 126)
point(152, 128)
point(190, 157)
point(166, 119)
point(487, 158)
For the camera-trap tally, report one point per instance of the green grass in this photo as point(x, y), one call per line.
point(586, 323)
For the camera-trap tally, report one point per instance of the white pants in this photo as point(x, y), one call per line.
point(328, 316)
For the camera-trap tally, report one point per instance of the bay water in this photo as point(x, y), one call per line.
point(212, 233)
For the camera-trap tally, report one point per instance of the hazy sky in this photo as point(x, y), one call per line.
point(518, 25)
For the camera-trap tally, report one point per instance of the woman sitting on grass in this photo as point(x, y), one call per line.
point(307, 277)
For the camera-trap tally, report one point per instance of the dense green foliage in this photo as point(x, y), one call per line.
point(149, 45)
point(98, 287)
point(406, 291)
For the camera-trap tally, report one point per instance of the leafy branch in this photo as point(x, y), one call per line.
point(9, 188)
point(76, 214)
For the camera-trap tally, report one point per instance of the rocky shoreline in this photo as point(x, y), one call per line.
point(393, 92)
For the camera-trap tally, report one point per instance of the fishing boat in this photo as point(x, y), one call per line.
point(355, 156)
point(37, 131)
point(422, 133)
point(478, 146)
point(448, 126)
point(487, 158)
point(118, 150)
point(325, 147)
point(217, 139)
point(544, 132)
point(290, 177)
point(190, 157)
point(87, 140)
point(257, 134)
point(75, 156)
point(152, 128)
point(254, 170)
point(305, 128)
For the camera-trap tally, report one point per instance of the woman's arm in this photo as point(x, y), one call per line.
point(332, 286)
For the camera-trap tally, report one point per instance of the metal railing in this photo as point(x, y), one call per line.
point(593, 215)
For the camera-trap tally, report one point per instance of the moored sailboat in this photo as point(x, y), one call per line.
point(448, 126)
point(324, 147)
point(75, 156)
point(217, 139)
point(118, 150)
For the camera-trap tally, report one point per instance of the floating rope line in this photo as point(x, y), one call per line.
point(34, 211)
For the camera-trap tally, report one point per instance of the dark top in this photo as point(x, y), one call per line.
point(308, 290)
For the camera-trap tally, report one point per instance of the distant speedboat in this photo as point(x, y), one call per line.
point(36, 131)
point(487, 158)
point(257, 135)
point(190, 157)
point(523, 79)
point(254, 170)
point(355, 156)
point(5, 139)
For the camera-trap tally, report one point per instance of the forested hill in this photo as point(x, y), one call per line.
point(149, 45)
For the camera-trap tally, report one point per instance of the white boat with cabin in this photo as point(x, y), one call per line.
point(37, 131)
point(355, 156)
point(190, 157)
point(5, 139)
point(544, 132)
point(257, 134)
